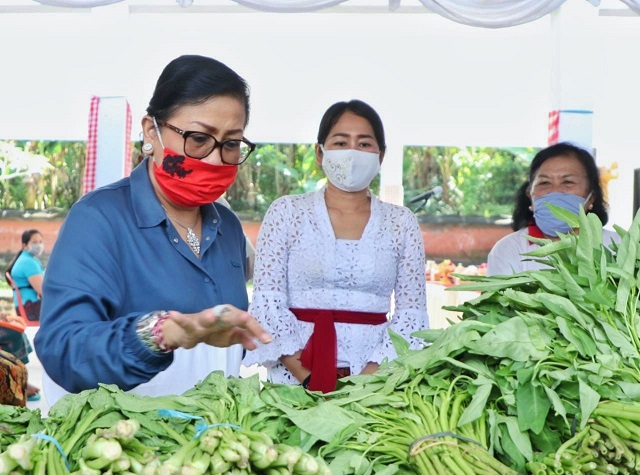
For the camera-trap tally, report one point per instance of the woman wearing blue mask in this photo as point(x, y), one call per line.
point(329, 261)
point(563, 175)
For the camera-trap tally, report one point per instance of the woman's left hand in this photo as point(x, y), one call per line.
point(221, 326)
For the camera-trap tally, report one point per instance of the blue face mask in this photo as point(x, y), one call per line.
point(546, 221)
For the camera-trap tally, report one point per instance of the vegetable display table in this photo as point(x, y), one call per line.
point(438, 296)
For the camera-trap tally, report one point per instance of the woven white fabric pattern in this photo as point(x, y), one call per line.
point(300, 264)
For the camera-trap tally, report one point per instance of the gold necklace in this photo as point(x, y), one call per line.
point(192, 238)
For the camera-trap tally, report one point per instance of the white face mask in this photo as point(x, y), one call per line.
point(350, 170)
point(35, 249)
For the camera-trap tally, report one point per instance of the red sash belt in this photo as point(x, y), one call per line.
point(320, 354)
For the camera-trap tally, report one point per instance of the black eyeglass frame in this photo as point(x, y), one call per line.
point(216, 143)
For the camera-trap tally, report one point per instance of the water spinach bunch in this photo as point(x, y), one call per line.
point(396, 421)
point(406, 425)
point(543, 348)
point(16, 421)
point(535, 356)
point(107, 430)
point(609, 444)
point(89, 431)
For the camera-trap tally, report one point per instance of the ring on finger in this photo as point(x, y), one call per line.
point(219, 311)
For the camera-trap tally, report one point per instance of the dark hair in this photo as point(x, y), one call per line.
point(26, 237)
point(523, 216)
point(192, 79)
point(357, 107)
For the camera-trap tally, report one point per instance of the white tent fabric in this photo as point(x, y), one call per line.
point(288, 6)
point(478, 13)
point(633, 4)
point(77, 3)
point(492, 13)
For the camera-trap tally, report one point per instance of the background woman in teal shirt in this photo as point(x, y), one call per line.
point(27, 272)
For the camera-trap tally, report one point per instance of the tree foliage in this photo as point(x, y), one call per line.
point(40, 174)
point(476, 181)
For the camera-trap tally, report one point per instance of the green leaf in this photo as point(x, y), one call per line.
point(562, 307)
point(626, 261)
point(522, 299)
point(430, 335)
point(324, 421)
point(589, 239)
point(533, 407)
point(601, 295)
point(620, 341)
point(565, 215)
point(477, 405)
point(519, 438)
point(497, 283)
point(548, 247)
point(589, 400)
point(631, 390)
point(455, 339)
point(550, 281)
point(557, 403)
point(508, 339)
point(540, 334)
point(399, 343)
point(547, 442)
point(578, 337)
point(572, 283)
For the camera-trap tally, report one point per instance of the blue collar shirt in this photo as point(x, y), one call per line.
point(118, 257)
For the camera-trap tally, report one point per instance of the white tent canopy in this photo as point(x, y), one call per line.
point(434, 81)
point(489, 14)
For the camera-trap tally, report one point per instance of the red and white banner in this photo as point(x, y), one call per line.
point(108, 142)
point(89, 180)
point(571, 125)
point(127, 143)
point(554, 127)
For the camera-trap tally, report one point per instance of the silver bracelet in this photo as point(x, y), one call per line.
point(148, 333)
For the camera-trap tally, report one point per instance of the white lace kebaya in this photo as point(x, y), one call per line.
point(300, 264)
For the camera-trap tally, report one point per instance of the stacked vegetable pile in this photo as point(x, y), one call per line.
point(542, 375)
point(206, 430)
point(548, 361)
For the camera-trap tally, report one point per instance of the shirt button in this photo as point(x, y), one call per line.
point(207, 280)
point(208, 238)
point(215, 221)
point(175, 240)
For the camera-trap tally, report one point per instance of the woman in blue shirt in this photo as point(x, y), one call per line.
point(147, 278)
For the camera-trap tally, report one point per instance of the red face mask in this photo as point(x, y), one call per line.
point(189, 182)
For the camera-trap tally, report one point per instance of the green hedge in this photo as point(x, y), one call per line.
point(45, 175)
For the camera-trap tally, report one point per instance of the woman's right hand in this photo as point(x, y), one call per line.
point(221, 326)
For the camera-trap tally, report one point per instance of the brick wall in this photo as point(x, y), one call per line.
point(466, 243)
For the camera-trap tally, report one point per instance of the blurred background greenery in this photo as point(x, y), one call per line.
point(476, 181)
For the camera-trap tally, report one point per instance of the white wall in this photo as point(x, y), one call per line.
point(434, 82)
point(617, 118)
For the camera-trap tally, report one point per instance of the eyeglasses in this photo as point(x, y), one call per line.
point(199, 145)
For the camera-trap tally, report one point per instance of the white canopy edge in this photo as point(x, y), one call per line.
point(480, 13)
